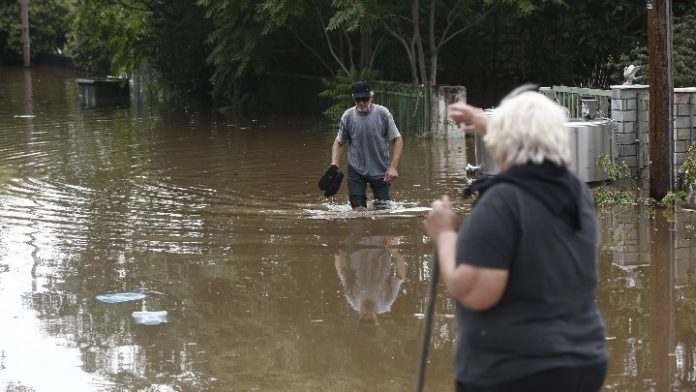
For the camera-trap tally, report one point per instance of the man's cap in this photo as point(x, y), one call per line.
point(361, 89)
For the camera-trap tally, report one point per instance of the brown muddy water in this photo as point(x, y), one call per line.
point(222, 225)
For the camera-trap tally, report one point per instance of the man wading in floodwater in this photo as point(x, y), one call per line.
point(368, 128)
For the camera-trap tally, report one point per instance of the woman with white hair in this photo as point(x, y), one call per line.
point(522, 267)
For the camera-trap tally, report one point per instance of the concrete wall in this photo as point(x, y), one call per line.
point(684, 124)
point(631, 127)
point(442, 97)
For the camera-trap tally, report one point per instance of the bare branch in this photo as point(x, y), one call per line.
point(328, 40)
point(409, 51)
point(312, 51)
point(444, 39)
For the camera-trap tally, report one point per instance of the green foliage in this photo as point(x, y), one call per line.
point(673, 199)
point(350, 15)
point(636, 55)
point(688, 168)
point(227, 47)
point(683, 53)
point(177, 47)
point(614, 171)
point(276, 14)
point(48, 27)
point(240, 44)
point(119, 37)
point(527, 7)
point(606, 198)
point(684, 50)
point(338, 90)
point(109, 36)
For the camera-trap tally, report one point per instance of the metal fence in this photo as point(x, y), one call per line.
point(414, 106)
point(569, 97)
point(408, 103)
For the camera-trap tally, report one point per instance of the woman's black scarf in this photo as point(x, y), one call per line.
point(554, 186)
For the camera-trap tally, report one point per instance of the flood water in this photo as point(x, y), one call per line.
point(222, 225)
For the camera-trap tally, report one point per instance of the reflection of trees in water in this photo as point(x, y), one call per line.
point(253, 323)
point(247, 315)
point(635, 303)
point(113, 210)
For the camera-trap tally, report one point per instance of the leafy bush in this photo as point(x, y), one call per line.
point(606, 197)
point(683, 54)
point(688, 168)
point(338, 90)
point(48, 31)
point(106, 36)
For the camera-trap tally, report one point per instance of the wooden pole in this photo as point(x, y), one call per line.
point(661, 96)
point(26, 44)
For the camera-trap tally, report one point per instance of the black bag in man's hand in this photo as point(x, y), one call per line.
point(330, 182)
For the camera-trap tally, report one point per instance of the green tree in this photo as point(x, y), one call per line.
point(302, 36)
point(120, 36)
point(421, 28)
point(239, 46)
point(683, 49)
point(48, 31)
point(573, 42)
point(527, 7)
point(109, 36)
point(177, 47)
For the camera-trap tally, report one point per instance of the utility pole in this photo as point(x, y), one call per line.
point(26, 45)
point(661, 96)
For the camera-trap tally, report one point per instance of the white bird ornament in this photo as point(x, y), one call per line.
point(629, 73)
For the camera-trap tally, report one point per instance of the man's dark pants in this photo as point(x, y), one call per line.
point(357, 189)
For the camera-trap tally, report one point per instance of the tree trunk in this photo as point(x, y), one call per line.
point(418, 41)
point(26, 45)
point(434, 48)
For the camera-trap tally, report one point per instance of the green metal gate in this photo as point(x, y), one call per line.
point(408, 103)
point(570, 98)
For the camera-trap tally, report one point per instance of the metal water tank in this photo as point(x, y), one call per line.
point(589, 139)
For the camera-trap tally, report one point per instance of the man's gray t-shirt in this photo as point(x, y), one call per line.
point(368, 137)
point(371, 276)
point(547, 316)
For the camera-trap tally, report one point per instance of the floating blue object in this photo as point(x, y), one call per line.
point(112, 298)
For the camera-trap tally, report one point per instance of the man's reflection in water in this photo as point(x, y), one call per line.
point(364, 266)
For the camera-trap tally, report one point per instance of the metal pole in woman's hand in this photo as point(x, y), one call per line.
point(427, 324)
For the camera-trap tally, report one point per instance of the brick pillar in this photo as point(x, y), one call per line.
point(624, 113)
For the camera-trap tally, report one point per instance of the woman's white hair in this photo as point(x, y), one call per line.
point(528, 128)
